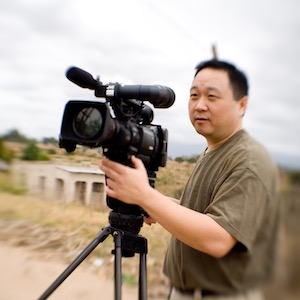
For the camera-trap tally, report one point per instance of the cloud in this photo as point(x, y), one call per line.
point(146, 42)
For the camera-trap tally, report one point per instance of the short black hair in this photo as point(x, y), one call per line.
point(237, 78)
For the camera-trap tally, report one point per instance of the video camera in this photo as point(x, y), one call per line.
point(122, 127)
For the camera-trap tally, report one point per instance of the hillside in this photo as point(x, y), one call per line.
point(59, 231)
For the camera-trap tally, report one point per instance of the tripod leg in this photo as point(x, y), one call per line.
point(102, 235)
point(118, 265)
point(143, 277)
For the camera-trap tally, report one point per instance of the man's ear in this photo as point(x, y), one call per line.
point(243, 102)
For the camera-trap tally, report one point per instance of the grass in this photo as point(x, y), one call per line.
point(172, 179)
point(7, 185)
point(66, 229)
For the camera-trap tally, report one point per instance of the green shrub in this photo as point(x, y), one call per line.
point(5, 153)
point(51, 151)
point(33, 152)
point(294, 177)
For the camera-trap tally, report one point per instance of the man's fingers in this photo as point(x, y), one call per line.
point(110, 168)
point(137, 163)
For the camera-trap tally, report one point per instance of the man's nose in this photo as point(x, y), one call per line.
point(201, 104)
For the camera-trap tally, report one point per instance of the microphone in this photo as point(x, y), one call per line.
point(81, 78)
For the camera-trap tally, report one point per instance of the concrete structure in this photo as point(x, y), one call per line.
point(84, 185)
point(4, 166)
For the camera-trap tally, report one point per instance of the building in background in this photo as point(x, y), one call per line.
point(48, 181)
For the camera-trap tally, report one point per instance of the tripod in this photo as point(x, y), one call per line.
point(125, 244)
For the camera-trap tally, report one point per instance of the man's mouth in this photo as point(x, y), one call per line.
point(201, 119)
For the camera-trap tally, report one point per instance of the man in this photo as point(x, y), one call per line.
point(223, 231)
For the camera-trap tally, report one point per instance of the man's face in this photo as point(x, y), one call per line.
point(213, 111)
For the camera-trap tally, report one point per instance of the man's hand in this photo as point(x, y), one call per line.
point(125, 183)
point(149, 221)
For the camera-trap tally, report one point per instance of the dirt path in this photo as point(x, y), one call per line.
point(25, 276)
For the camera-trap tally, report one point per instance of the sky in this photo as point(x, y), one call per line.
point(151, 42)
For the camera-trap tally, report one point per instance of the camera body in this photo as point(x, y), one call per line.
point(121, 126)
point(91, 124)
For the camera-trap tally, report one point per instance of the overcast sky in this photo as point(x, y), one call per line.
point(151, 42)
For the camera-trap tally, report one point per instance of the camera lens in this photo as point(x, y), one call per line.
point(88, 122)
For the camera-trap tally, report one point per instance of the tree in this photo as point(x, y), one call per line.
point(15, 136)
point(6, 154)
point(50, 140)
point(294, 176)
point(33, 152)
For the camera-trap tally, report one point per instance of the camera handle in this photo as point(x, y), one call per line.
point(133, 243)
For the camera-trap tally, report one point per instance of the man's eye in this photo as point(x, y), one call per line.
point(212, 96)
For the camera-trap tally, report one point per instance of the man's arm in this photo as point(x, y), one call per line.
point(195, 229)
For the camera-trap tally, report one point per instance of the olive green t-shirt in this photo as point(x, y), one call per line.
point(236, 185)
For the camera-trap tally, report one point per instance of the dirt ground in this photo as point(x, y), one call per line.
point(25, 276)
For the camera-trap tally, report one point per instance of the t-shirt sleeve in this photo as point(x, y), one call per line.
point(238, 205)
